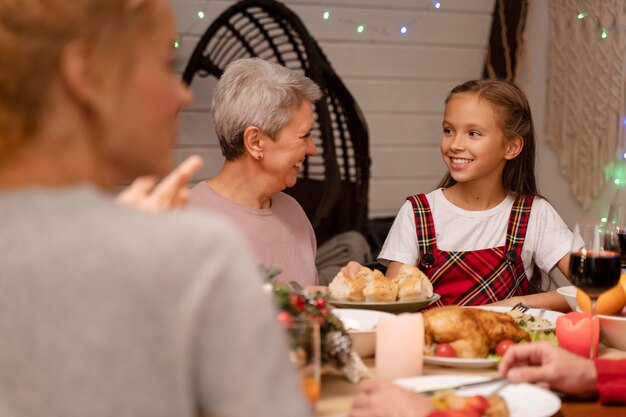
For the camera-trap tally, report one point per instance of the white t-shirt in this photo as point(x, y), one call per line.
point(547, 239)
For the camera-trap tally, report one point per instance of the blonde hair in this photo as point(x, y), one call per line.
point(33, 35)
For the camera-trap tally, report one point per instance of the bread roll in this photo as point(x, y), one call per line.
point(344, 288)
point(413, 284)
point(381, 289)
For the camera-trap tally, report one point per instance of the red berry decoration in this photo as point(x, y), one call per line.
point(284, 317)
point(297, 301)
point(320, 303)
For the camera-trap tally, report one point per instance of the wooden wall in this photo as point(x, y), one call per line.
point(400, 81)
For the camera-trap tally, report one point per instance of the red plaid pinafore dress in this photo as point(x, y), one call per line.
point(475, 277)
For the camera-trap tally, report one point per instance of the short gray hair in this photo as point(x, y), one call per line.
point(254, 92)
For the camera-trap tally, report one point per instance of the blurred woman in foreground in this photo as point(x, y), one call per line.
point(263, 117)
point(105, 311)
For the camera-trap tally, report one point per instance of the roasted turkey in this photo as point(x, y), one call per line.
point(472, 332)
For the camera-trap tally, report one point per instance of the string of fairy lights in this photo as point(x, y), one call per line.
point(360, 27)
point(327, 15)
point(603, 31)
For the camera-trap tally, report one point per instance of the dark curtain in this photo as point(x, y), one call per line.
point(506, 39)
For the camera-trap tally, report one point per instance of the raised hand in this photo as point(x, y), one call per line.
point(351, 269)
point(145, 194)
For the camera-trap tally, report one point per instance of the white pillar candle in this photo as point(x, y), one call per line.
point(399, 346)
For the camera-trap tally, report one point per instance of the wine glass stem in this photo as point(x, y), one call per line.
point(592, 346)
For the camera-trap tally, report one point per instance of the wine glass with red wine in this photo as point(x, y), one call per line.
point(617, 217)
point(595, 267)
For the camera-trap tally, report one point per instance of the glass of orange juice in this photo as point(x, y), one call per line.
point(305, 354)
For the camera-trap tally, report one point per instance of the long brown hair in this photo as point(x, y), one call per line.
point(514, 118)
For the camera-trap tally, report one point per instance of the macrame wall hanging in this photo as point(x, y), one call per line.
point(585, 97)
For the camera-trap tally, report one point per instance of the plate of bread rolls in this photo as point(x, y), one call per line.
point(410, 290)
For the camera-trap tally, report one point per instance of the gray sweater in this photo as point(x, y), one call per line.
point(109, 312)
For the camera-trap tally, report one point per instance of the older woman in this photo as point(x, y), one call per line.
point(263, 118)
point(105, 311)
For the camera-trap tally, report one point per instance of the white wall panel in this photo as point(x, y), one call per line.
point(400, 96)
point(425, 24)
point(186, 14)
point(212, 160)
point(403, 163)
point(386, 197)
point(383, 25)
point(197, 129)
point(404, 129)
point(202, 89)
point(404, 61)
point(477, 6)
point(183, 53)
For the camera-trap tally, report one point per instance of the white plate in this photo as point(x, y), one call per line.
point(461, 362)
point(523, 400)
point(549, 315)
point(360, 320)
point(390, 307)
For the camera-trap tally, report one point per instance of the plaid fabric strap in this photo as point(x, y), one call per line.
point(515, 235)
point(480, 276)
point(425, 229)
point(518, 223)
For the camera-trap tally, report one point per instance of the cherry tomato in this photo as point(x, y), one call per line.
point(503, 346)
point(477, 403)
point(320, 303)
point(445, 350)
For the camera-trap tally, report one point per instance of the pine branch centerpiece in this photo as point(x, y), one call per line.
point(336, 345)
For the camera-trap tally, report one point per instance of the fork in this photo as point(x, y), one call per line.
point(520, 307)
point(296, 286)
point(501, 380)
point(503, 385)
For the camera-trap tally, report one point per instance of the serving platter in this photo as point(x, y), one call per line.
point(390, 307)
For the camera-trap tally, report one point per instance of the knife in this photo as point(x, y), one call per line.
point(464, 386)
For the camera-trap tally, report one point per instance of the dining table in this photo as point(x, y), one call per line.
point(337, 392)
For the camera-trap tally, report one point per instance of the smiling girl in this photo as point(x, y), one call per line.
point(481, 235)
